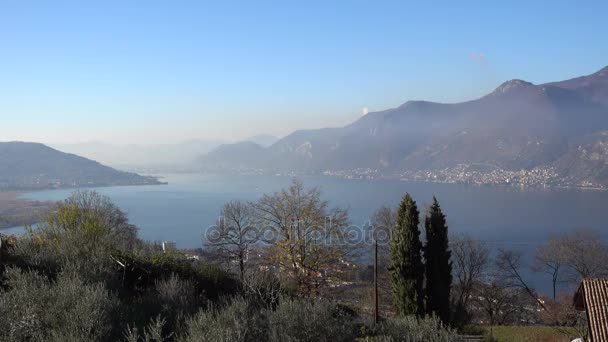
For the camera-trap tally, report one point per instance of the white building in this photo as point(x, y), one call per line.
point(168, 246)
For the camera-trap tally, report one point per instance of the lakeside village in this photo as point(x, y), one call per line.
point(538, 177)
point(473, 174)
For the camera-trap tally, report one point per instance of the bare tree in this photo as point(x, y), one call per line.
point(508, 266)
point(584, 254)
point(382, 222)
point(569, 257)
point(384, 217)
point(549, 260)
point(498, 303)
point(235, 234)
point(503, 297)
point(307, 239)
point(470, 261)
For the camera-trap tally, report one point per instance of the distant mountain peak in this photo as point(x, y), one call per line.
point(414, 103)
point(263, 140)
point(603, 72)
point(512, 85)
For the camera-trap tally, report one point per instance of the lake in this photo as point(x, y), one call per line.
point(503, 217)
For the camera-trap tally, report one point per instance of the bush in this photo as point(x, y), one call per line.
point(36, 309)
point(311, 320)
point(89, 260)
point(292, 321)
point(236, 321)
point(148, 285)
point(144, 268)
point(83, 232)
point(472, 329)
point(412, 329)
point(176, 295)
point(177, 299)
point(168, 285)
point(263, 288)
point(153, 332)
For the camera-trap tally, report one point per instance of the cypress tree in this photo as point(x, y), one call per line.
point(407, 271)
point(438, 267)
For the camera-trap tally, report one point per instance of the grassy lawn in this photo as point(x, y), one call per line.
point(528, 334)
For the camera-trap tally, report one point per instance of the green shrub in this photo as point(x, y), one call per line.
point(153, 332)
point(33, 308)
point(262, 288)
point(144, 268)
point(412, 329)
point(237, 321)
point(89, 260)
point(177, 299)
point(175, 295)
point(83, 232)
point(311, 320)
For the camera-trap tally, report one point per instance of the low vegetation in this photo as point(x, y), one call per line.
point(528, 334)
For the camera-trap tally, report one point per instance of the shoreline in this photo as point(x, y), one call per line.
point(376, 176)
point(517, 186)
point(506, 186)
point(16, 211)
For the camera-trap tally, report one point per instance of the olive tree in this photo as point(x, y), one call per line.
point(35, 308)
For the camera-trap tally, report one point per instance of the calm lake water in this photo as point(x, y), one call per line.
point(503, 217)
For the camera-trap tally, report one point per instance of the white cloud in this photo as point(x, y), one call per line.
point(364, 110)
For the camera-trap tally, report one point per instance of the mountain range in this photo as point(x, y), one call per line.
point(559, 126)
point(130, 156)
point(33, 166)
point(164, 157)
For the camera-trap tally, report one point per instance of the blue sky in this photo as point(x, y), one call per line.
point(168, 71)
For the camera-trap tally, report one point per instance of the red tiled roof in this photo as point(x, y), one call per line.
point(592, 296)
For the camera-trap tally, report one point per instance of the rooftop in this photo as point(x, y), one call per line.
point(592, 296)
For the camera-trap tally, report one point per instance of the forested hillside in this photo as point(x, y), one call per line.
point(33, 166)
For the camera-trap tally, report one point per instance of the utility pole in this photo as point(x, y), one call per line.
point(376, 313)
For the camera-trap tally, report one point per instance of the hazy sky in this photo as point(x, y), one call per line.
point(167, 71)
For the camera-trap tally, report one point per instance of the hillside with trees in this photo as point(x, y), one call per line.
point(33, 166)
